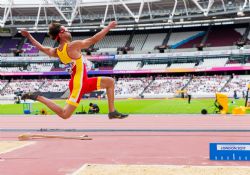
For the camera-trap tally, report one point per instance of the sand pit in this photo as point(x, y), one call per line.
point(8, 146)
point(161, 170)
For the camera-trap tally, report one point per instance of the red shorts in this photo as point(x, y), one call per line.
point(80, 83)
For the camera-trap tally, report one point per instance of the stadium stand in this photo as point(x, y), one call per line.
point(160, 87)
point(3, 83)
point(141, 42)
point(29, 49)
point(220, 37)
point(165, 87)
point(233, 64)
point(40, 67)
point(241, 31)
point(193, 43)
point(21, 85)
point(179, 38)
point(239, 84)
point(8, 44)
point(48, 42)
point(105, 68)
point(153, 40)
point(215, 62)
point(180, 42)
point(131, 87)
point(182, 65)
point(206, 86)
point(56, 85)
point(53, 88)
point(11, 69)
point(112, 41)
point(127, 65)
point(154, 66)
point(33, 67)
point(138, 41)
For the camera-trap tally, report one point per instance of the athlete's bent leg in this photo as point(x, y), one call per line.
point(109, 84)
point(64, 113)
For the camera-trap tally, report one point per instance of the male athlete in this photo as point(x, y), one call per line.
point(69, 51)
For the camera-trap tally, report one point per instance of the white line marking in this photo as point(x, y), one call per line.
point(18, 147)
point(80, 169)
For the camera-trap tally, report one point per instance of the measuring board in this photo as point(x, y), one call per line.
point(230, 151)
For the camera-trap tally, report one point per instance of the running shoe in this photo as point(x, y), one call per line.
point(30, 95)
point(117, 115)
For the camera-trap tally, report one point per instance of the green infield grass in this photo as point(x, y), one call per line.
point(133, 106)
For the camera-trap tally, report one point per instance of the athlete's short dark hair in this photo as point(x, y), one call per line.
point(54, 30)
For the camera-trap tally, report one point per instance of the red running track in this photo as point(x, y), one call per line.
point(61, 157)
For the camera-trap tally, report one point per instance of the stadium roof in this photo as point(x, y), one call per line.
point(93, 14)
point(38, 1)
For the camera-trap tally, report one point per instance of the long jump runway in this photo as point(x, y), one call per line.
point(137, 140)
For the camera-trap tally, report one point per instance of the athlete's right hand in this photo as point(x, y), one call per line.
point(25, 33)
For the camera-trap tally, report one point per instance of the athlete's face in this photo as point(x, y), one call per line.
point(64, 33)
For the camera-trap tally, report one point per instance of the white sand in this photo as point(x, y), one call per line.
point(161, 170)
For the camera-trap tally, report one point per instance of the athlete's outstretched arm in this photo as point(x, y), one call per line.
point(47, 50)
point(84, 44)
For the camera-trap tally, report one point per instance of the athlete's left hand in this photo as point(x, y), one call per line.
point(112, 25)
point(25, 33)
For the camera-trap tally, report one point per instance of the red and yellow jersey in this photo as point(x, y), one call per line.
point(63, 55)
point(79, 83)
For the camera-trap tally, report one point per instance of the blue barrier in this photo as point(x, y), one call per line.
point(230, 151)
